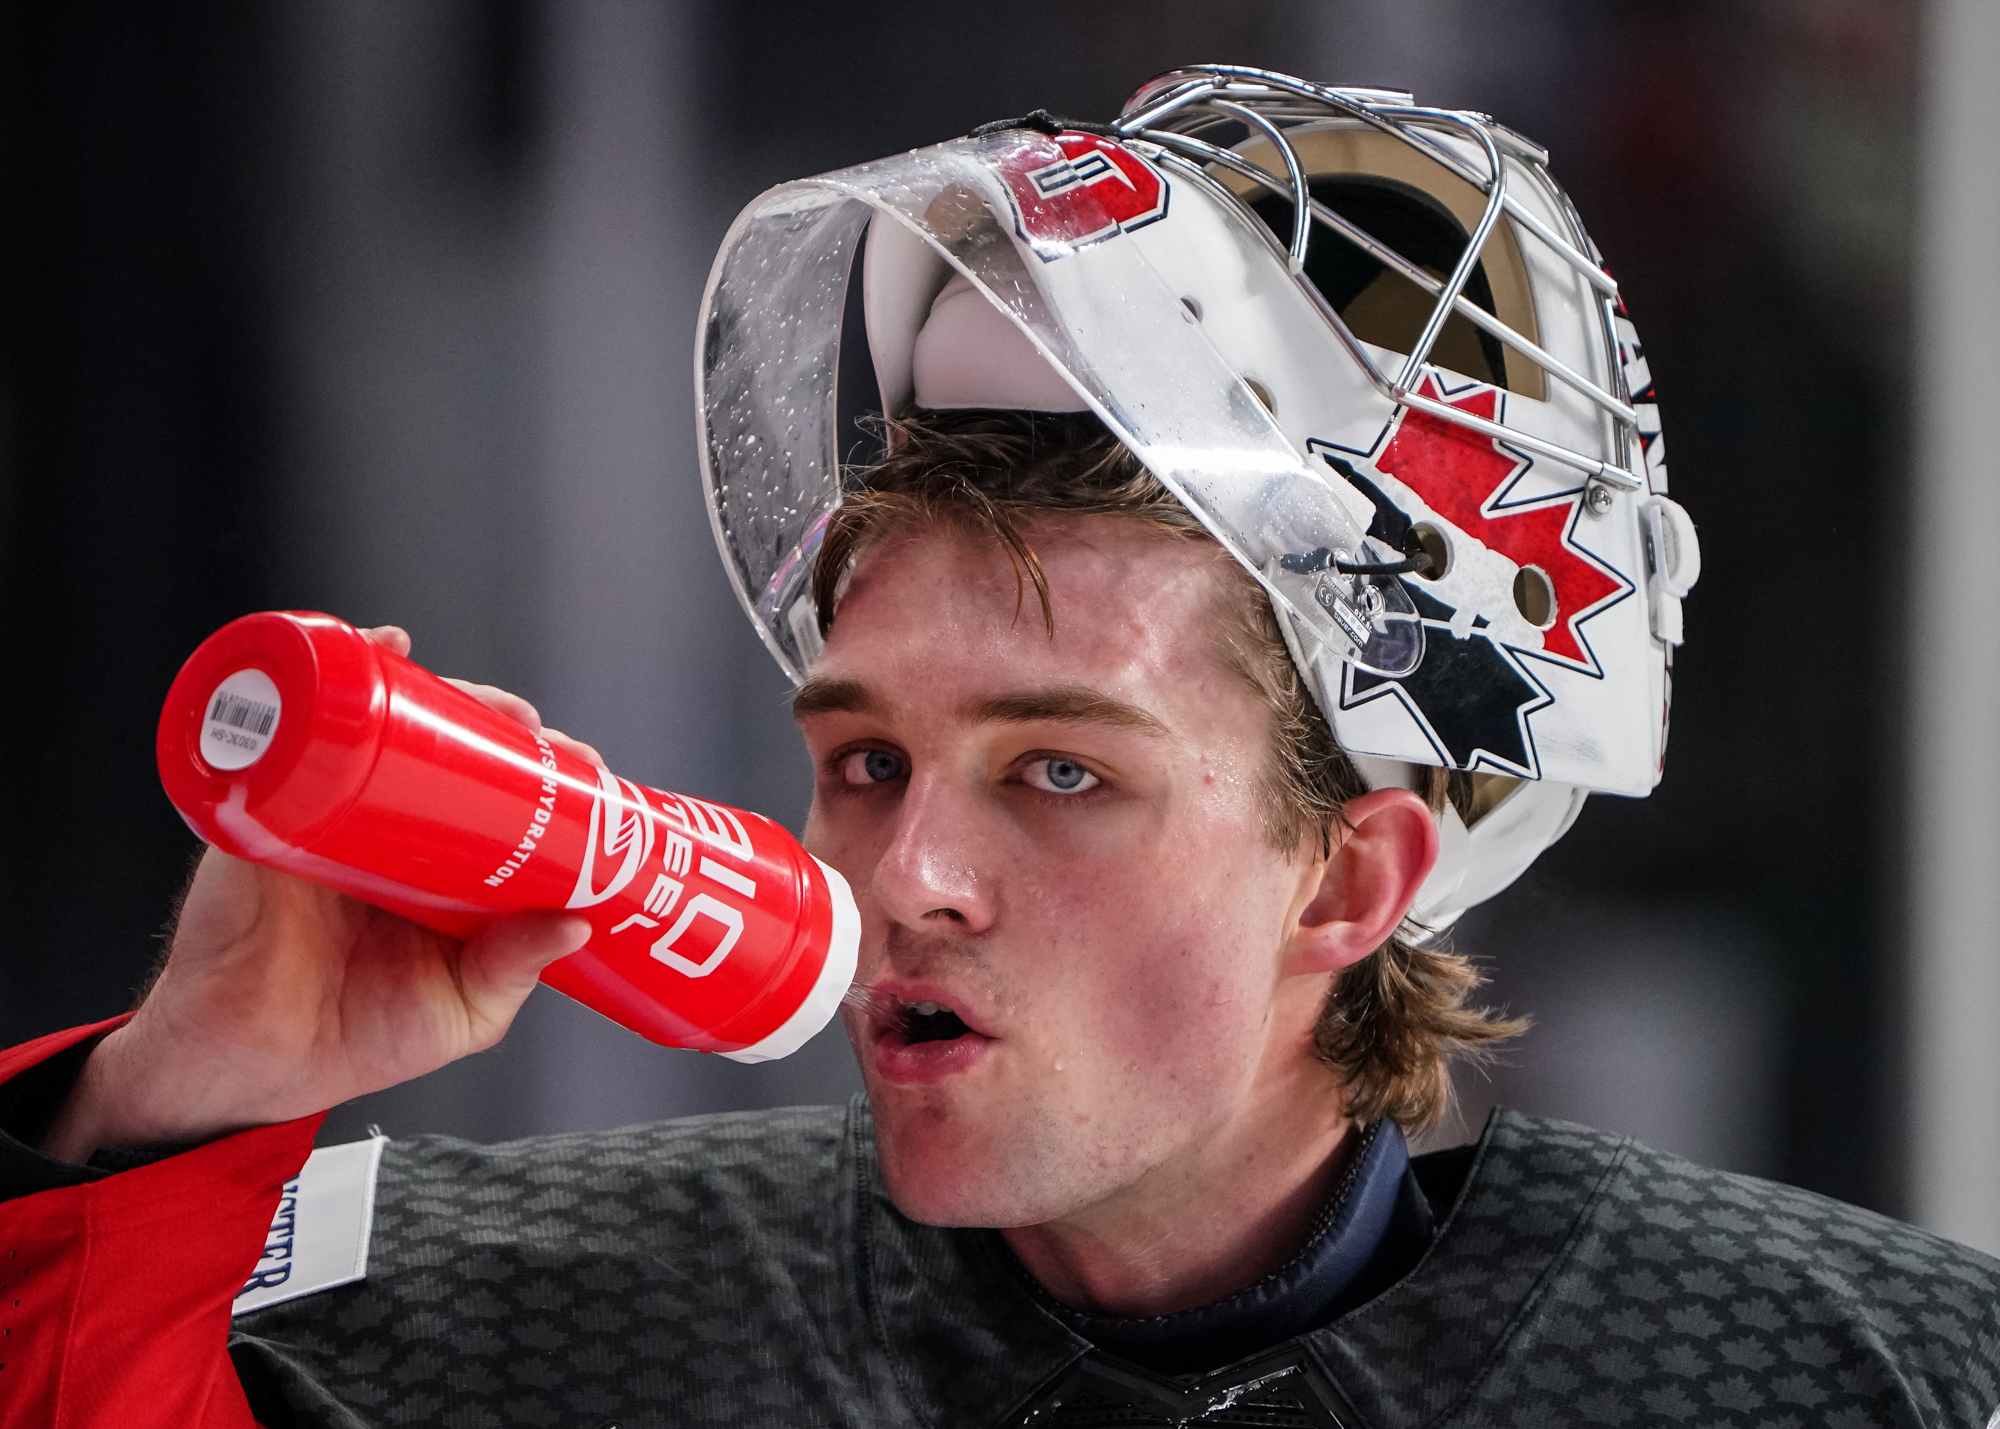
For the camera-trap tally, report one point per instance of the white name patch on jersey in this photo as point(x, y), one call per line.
point(319, 1237)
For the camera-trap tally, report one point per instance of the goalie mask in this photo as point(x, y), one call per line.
point(1412, 407)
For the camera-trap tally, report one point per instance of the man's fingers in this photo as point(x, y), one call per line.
point(390, 637)
point(506, 702)
point(503, 701)
point(574, 746)
point(498, 968)
point(521, 712)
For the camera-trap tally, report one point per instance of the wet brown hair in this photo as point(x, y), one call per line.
point(1394, 1021)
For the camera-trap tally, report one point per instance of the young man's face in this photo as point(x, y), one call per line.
point(1059, 843)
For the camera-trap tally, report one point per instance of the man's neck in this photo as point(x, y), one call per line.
point(1189, 1234)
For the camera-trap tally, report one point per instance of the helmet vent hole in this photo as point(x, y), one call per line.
point(1432, 543)
point(1262, 394)
point(1534, 597)
point(1193, 307)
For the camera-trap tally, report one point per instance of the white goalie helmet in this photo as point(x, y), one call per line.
point(1414, 410)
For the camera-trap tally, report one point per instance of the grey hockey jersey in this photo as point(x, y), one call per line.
point(749, 1270)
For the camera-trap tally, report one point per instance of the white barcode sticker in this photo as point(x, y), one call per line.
point(319, 1237)
point(242, 720)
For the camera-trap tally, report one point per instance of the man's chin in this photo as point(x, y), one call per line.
point(941, 1174)
point(956, 1200)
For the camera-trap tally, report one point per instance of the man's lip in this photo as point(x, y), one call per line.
point(893, 999)
point(899, 1060)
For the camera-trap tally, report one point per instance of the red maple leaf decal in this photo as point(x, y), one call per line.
point(1457, 472)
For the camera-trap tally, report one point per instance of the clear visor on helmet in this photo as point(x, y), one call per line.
point(767, 368)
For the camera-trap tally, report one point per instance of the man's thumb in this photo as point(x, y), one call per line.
point(503, 961)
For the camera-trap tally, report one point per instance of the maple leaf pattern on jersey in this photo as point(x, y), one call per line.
point(1461, 475)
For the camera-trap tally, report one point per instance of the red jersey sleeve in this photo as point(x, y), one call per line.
point(115, 1295)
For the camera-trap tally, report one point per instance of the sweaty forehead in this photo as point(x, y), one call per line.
point(937, 618)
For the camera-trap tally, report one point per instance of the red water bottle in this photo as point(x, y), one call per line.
point(292, 740)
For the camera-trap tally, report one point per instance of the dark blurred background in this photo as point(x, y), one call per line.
point(387, 310)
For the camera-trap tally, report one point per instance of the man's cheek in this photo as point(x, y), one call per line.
point(1118, 894)
point(848, 841)
point(1136, 1014)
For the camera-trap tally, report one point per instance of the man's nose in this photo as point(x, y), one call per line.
point(932, 872)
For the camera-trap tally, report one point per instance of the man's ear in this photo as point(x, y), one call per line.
point(1383, 856)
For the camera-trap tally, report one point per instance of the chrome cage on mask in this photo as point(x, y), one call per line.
point(1175, 109)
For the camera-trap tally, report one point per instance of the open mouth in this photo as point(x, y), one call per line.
point(918, 1040)
point(931, 1022)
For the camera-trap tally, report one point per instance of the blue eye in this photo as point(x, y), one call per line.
point(1057, 775)
point(881, 766)
point(872, 766)
point(1065, 773)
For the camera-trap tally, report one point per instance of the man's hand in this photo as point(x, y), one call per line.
point(282, 998)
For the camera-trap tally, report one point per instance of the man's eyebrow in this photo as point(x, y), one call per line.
point(1067, 703)
point(817, 697)
point(1072, 703)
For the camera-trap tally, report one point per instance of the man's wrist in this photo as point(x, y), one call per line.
point(35, 1094)
point(114, 1106)
point(71, 1134)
